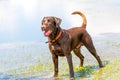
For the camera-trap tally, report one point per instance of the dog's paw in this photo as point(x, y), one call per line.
point(101, 66)
point(55, 75)
point(72, 78)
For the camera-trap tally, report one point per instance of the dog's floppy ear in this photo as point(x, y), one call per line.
point(57, 21)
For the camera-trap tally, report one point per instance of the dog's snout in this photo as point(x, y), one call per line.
point(43, 28)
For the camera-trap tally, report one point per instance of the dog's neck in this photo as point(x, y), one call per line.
point(55, 35)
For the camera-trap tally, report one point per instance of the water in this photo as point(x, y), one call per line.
point(32, 60)
point(13, 55)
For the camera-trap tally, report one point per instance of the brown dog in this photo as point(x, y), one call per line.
point(62, 42)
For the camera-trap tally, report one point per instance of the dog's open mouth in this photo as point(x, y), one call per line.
point(47, 33)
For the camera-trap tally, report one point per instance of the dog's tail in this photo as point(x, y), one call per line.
point(83, 17)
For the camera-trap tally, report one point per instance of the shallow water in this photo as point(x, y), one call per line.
point(32, 60)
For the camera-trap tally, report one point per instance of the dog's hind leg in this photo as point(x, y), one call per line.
point(77, 52)
point(89, 45)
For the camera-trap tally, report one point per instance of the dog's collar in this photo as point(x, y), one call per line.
point(57, 37)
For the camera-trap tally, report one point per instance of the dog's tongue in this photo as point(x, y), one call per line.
point(47, 33)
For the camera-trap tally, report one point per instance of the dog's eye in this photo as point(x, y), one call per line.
point(54, 23)
point(48, 20)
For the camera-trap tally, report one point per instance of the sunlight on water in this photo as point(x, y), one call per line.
point(32, 60)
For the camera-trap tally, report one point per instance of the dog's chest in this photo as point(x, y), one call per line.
point(57, 49)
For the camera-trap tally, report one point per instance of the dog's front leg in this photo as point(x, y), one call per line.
point(69, 60)
point(55, 61)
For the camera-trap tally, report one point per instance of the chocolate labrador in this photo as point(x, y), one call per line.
point(62, 42)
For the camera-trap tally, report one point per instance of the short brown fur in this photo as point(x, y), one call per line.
point(70, 40)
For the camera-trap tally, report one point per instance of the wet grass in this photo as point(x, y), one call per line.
point(110, 71)
point(41, 67)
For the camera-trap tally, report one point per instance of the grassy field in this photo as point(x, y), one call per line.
point(33, 62)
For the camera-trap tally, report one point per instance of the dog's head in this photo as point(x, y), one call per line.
point(49, 24)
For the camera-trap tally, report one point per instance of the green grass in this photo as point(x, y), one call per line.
point(111, 71)
point(43, 66)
